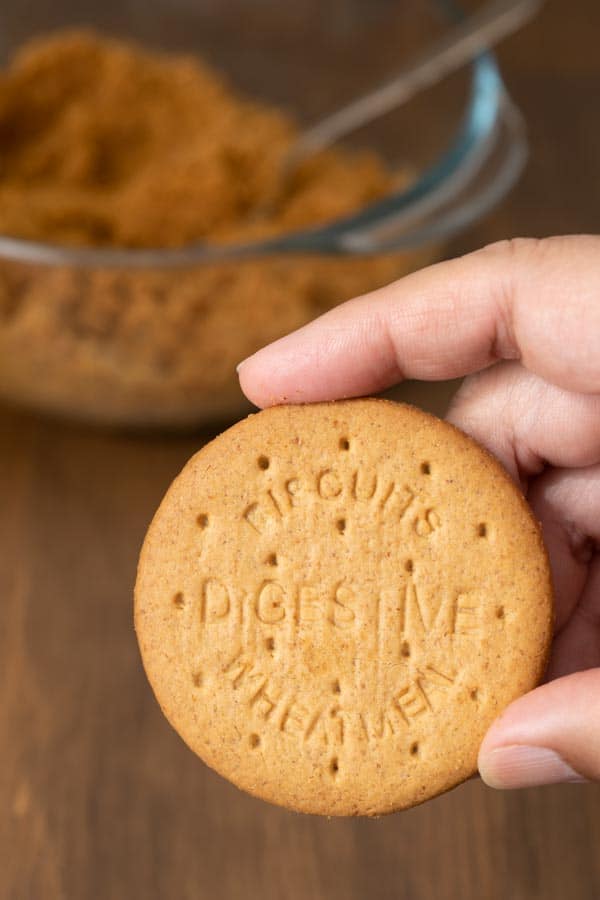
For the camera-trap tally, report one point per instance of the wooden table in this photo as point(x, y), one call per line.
point(99, 798)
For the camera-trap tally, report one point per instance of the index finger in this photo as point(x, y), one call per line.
point(537, 301)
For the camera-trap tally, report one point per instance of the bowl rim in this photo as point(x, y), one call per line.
point(471, 141)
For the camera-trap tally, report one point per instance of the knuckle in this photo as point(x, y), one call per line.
point(541, 250)
point(518, 248)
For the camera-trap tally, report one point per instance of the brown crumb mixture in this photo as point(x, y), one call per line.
point(105, 143)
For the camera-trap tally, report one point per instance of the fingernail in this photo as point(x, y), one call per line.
point(240, 364)
point(519, 766)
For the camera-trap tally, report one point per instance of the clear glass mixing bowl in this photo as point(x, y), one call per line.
point(152, 337)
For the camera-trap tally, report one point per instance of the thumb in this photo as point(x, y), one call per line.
point(550, 735)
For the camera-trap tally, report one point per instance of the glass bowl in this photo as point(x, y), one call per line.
point(151, 337)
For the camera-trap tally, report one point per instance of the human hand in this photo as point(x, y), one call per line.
point(522, 320)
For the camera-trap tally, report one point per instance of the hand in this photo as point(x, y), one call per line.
point(522, 320)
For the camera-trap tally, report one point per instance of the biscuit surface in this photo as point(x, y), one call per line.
point(335, 601)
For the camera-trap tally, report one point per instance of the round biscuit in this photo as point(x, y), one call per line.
point(334, 602)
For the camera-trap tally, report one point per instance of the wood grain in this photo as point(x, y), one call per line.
point(99, 798)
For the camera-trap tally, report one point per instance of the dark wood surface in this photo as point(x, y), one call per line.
point(99, 798)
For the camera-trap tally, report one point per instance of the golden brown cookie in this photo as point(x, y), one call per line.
point(335, 601)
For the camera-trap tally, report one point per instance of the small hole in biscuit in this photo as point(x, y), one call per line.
point(263, 462)
point(202, 520)
point(409, 565)
point(405, 648)
point(271, 559)
point(270, 644)
point(474, 694)
point(414, 749)
point(500, 612)
point(197, 679)
point(336, 687)
point(425, 468)
point(254, 741)
point(341, 525)
point(178, 600)
point(334, 766)
point(344, 444)
point(482, 529)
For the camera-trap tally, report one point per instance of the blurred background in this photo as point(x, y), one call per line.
point(100, 798)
